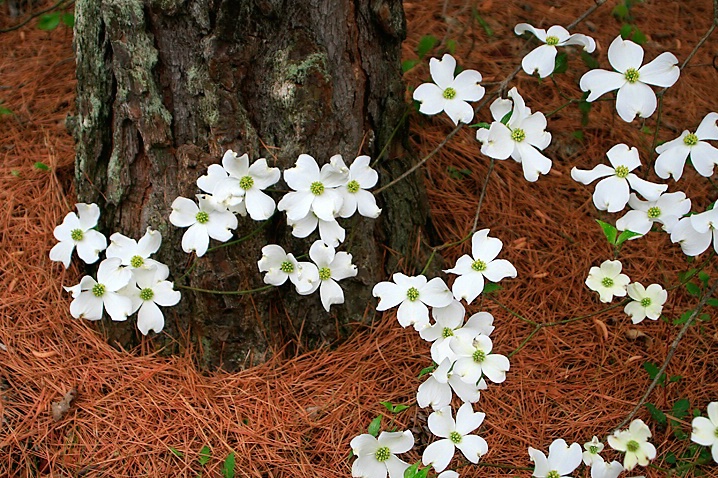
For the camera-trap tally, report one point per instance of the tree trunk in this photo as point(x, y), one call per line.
point(166, 86)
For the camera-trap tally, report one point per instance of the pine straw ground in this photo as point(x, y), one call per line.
point(295, 417)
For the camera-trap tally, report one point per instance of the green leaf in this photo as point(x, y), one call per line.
point(228, 467)
point(480, 125)
point(620, 11)
point(609, 231)
point(68, 19)
point(693, 289)
point(490, 287)
point(578, 134)
point(561, 64)
point(426, 44)
point(458, 173)
point(176, 452)
point(626, 235)
point(657, 414)
point(704, 317)
point(704, 278)
point(675, 378)
point(626, 31)
point(638, 36)
point(4, 111)
point(411, 471)
point(374, 426)
point(682, 276)
point(15, 173)
point(41, 166)
point(681, 408)
point(589, 60)
point(49, 21)
point(388, 405)
point(483, 23)
point(400, 408)
point(426, 370)
point(652, 370)
point(712, 302)
point(683, 318)
point(451, 46)
point(407, 65)
point(204, 455)
point(506, 117)
point(585, 108)
point(671, 458)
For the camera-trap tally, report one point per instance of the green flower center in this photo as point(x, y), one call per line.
point(316, 188)
point(447, 332)
point(654, 212)
point(325, 273)
point(478, 265)
point(622, 171)
point(607, 282)
point(593, 450)
point(147, 294)
point(632, 446)
point(353, 186)
point(716, 432)
point(382, 454)
point(631, 75)
point(202, 217)
point(455, 437)
point(287, 267)
point(553, 474)
point(478, 356)
point(77, 234)
point(552, 40)
point(518, 135)
point(645, 302)
point(246, 182)
point(412, 294)
point(98, 290)
point(137, 261)
point(449, 93)
point(690, 139)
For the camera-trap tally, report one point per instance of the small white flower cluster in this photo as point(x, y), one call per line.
point(608, 281)
point(705, 430)
point(462, 351)
point(128, 280)
point(563, 459)
point(318, 198)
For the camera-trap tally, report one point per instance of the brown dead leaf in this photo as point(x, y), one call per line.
point(61, 407)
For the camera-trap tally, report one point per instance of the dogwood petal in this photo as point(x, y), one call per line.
point(647, 189)
point(438, 454)
point(62, 252)
point(150, 318)
point(636, 221)
point(635, 99)
point(495, 367)
point(484, 247)
point(499, 269)
point(672, 158)
point(390, 295)
point(368, 466)
point(435, 293)
point(624, 54)
point(703, 431)
point(467, 392)
point(708, 128)
point(497, 143)
point(600, 82)
point(91, 245)
point(451, 316)
point(467, 420)
point(263, 175)
point(467, 87)
point(331, 232)
point(539, 33)
point(112, 275)
point(691, 241)
point(473, 447)
point(413, 313)
point(184, 212)
point(366, 204)
point(542, 60)
point(541, 469)
point(442, 71)
point(621, 155)
point(611, 194)
point(296, 204)
point(117, 306)
point(663, 71)
point(459, 111)
point(396, 467)
point(533, 162)
point(430, 97)
point(500, 107)
point(468, 286)
point(303, 174)
point(567, 457)
point(88, 215)
point(441, 423)
point(330, 293)
point(259, 205)
point(398, 442)
point(195, 239)
point(587, 176)
point(588, 43)
point(704, 157)
point(87, 306)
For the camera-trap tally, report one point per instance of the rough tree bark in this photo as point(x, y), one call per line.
point(166, 86)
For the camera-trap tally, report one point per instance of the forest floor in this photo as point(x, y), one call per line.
point(138, 414)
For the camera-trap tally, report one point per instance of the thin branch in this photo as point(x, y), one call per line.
point(483, 194)
point(585, 14)
point(669, 356)
point(34, 15)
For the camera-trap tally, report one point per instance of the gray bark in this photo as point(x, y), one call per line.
point(166, 86)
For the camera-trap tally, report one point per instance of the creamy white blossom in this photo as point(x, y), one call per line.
point(634, 443)
point(449, 319)
point(705, 430)
point(449, 94)
point(601, 469)
point(631, 79)
point(672, 155)
point(77, 230)
point(280, 266)
point(92, 296)
point(542, 59)
point(562, 460)
point(315, 190)
point(647, 301)
point(593, 448)
point(414, 294)
point(692, 241)
point(216, 174)
point(136, 254)
point(475, 360)
point(436, 390)
point(482, 263)
point(204, 221)
point(607, 280)
point(454, 434)
point(666, 210)
point(149, 290)
point(522, 137)
point(376, 456)
point(332, 266)
point(612, 192)
point(360, 177)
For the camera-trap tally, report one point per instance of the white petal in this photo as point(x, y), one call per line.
point(184, 212)
point(663, 71)
point(648, 190)
point(87, 306)
point(635, 99)
point(704, 157)
point(459, 111)
point(539, 33)
point(541, 59)
point(165, 295)
point(430, 97)
point(442, 71)
point(150, 318)
point(208, 182)
point(611, 194)
point(435, 293)
point(91, 245)
point(433, 393)
point(259, 205)
point(567, 458)
point(500, 107)
point(364, 444)
point(533, 162)
point(691, 241)
point(588, 43)
point(263, 175)
point(304, 226)
point(438, 454)
point(395, 467)
point(366, 203)
point(331, 232)
point(342, 266)
point(624, 54)
point(467, 87)
point(708, 128)
point(149, 243)
point(621, 155)
point(559, 32)
point(499, 269)
point(467, 420)
point(600, 82)
point(330, 293)
point(398, 442)
point(413, 313)
point(495, 367)
point(672, 158)
point(301, 176)
point(62, 252)
point(195, 239)
point(112, 275)
point(484, 247)
point(498, 143)
point(117, 306)
point(361, 171)
point(468, 287)
point(473, 447)
point(88, 215)
point(368, 467)
point(390, 295)
point(541, 469)
point(636, 221)
point(587, 176)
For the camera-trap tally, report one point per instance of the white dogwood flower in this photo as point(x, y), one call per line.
point(448, 320)
point(692, 242)
point(705, 430)
point(216, 174)
point(601, 469)
point(482, 263)
point(522, 137)
point(634, 443)
point(375, 456)
point(329, 231)
point(150, 290)
point(136, 254)
point(280, 266)
point(612, 192)
point(414, 294)
point(475, 360)
point(593, 448)
point(666, 210)
point(315, 190)
point(356, 197)
point(204, 221)
point(93, 296)
point(436, 390)
point(562, 460)
point(542, 59)
point(607, 280)
point(77, 230)
point(333, 267)
point(449, 94)
point(672, 155)
point(647, 301)
point(454, 434)
point(631, 79)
